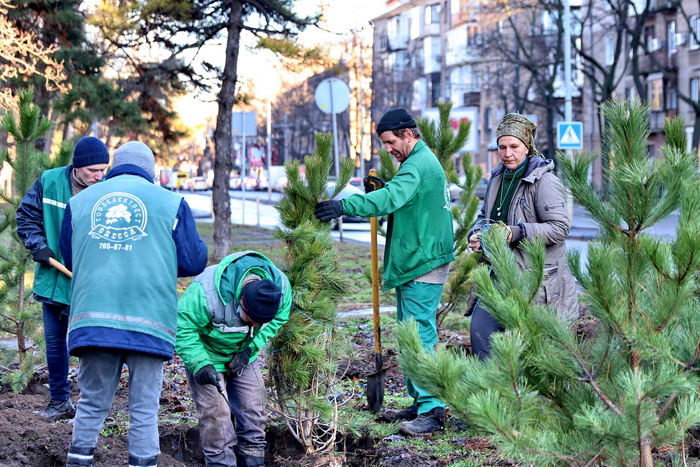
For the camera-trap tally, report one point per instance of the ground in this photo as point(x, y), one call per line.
point(364, 439)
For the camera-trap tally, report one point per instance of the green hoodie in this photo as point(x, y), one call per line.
point(420, 234)
point(199, 341)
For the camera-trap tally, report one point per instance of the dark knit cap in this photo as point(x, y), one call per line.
point(395, 119)
point(261, 300)
point(90, 151)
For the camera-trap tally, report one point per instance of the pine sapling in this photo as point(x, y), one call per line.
point(305, 353)
point(548, 396)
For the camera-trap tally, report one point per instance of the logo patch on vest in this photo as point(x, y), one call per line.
point(119, 217)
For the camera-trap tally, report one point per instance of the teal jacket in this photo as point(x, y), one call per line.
point(420, 234)
point(200, 340)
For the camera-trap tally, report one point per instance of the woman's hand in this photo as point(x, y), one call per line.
point(474, 243)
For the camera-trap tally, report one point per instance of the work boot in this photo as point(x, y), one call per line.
point(57, 410)
point(425, 424)
point(80, 457)
point(249, 456)
point(407, 413)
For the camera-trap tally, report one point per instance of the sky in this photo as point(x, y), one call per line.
point(263, 69)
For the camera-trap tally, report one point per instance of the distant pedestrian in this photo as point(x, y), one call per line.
point(39, 218)
point(525, 195)
point(127, 240)
point(420, 244)
point(226, 316)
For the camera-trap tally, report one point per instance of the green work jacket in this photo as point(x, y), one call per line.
point(200, 339)
point(420, 234)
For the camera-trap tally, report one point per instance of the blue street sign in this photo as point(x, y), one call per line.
point(570, 135)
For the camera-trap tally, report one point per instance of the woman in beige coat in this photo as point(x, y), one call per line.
point(524, 194)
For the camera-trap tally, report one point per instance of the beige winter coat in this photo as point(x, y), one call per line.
point(538, 210)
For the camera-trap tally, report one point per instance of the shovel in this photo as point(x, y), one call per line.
point(58, 265)
point(375, 381)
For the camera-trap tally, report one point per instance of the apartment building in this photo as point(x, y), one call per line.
point(431, 50)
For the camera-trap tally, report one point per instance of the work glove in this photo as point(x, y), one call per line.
point(42, 256)
point(207, 375)
point(372, 183)
point(328, 210)
point(239, 361)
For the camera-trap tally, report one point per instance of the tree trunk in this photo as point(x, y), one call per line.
point(223, 162)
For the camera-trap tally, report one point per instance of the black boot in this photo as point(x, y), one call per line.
point(57, 410)
point(407, 413)
point(425, 424)
point(80, 457)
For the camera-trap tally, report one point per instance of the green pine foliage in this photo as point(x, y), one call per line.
point(19, 316)
point(611, 396)
point(305, 353)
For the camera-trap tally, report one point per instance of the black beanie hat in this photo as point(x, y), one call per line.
point(261, 300)
point(395, 119)
point(89, 151)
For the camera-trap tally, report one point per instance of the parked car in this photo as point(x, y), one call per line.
point(234, 182)
point(456, 190)
point(349, 190)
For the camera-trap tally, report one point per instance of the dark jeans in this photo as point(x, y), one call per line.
point(482, 326)
point(55, 333)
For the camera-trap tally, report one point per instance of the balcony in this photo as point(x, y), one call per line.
point(397, 41)
point(657, 60)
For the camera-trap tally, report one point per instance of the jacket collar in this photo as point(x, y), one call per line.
point(535, 169)
point(129, 169)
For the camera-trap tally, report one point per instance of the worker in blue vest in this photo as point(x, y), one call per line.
point(39, 218)
point(127, 241)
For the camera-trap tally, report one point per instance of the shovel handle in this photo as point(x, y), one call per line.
point(375, 281)
point(58, 265)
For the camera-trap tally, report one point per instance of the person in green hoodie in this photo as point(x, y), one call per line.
point(419, 247)
point(225, 317)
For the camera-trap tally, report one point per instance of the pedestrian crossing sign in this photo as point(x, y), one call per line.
point(570, 135)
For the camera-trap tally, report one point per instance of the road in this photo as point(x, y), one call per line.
point(260, 211)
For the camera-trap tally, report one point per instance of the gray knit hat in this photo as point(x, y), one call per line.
point(135, 153)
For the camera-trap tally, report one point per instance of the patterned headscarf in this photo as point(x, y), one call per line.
point(519, 126)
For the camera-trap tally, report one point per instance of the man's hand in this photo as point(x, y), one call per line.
point(328, 210)
point(474, 243)
point(240, 360)
point(207, 375)
point(42, 256)
point(372, 183)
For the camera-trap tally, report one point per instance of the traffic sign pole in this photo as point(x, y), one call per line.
point(243, 174)
point(335, 131)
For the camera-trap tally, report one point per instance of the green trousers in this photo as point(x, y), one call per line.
point(419, 301)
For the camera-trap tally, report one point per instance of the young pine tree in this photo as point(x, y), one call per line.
point(304, 354)
point(548, 396)
point(19, 316)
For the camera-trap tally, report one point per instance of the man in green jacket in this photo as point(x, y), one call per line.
point(225, 317)
point(39, 218)
point(419, 248)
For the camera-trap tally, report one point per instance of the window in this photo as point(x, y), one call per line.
point(656, 94)
point(649, 36)
point(671, 99)
point(609, 49)
point(694, 33)
point(694, 94)
point(472, 35)
point(432, 14)
point(628, 94)
point(671, 37)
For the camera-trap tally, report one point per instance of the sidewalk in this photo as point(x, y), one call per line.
point(584, 227)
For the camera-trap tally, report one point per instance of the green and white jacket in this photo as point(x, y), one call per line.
point(209, 329)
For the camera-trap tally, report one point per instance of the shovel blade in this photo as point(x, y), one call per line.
point(375, 391)
point(375, 385)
